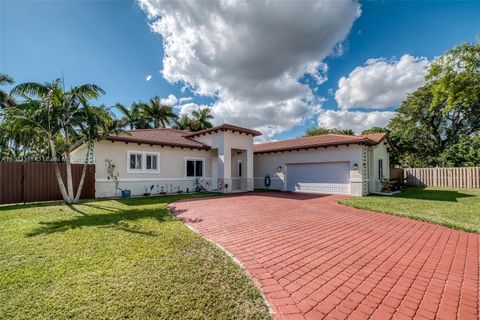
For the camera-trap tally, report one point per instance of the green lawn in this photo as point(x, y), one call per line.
point(116, 259)
point(454, 208)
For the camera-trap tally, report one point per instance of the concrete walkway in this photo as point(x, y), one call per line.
point(314, 258)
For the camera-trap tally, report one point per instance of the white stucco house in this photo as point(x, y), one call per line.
point(226, 159)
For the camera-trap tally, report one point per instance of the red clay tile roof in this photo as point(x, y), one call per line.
point(225, 127)
point(162, 137)
point(318, 141)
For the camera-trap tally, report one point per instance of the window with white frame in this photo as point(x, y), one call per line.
point(151, 162)
point(194, 167)
point(135, 161)
point(380, 168)
point(143, 162)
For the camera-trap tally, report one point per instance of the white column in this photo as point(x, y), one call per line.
point(225, 167)
point(250, 181)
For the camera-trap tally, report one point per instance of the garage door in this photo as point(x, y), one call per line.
point(325, 177)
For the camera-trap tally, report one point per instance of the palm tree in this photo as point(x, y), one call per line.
point(62, 117)
point(134, 117)
point(95, 124)
point(201, 119)
point(184, 122)
point(162, 115)
point(6, 100)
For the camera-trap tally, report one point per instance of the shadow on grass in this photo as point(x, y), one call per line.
point(118, 220)
point(433, 195)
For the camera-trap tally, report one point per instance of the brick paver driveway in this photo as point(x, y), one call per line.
point(314, 258)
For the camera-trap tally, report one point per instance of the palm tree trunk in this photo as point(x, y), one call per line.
point(68, 166)
point(61, 185)
point(84, 172)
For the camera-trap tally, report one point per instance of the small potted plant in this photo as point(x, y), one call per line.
point(386, 185)
point(147, 191)
point(162, 191)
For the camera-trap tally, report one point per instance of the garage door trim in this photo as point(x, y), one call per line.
point(338, 181)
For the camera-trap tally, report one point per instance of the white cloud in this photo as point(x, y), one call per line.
point(184, 99)
point(380, 84)
point(250, 55)
point(355, 120)
point(171, 100)
point(148, 78)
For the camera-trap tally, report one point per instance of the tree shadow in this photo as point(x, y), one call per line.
point(433, 195)
point(117, 220)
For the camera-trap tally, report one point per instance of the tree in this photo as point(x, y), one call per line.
point(466, 153)
point(374, 130)
point(134, 117)
point(96, 124)
point(62, 117)
point(321, 131)
point(183, 122)
point(436, 115)
point(162, 115)
point(6, 100)
point(201, 119)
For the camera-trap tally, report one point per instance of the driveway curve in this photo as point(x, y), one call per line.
point(314, 258)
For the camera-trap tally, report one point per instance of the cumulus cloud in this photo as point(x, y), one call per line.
point(355, 120)
point(148, 78)
point(381, 83)
point(250, 55)
point(171, 100)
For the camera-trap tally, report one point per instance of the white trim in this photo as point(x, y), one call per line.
point(194, 159)
point(157, 154)
point(150, 179)
point(383, 167)
point(135, 152)
point(143, 160)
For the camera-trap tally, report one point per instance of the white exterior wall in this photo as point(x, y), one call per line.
point(268, 164)
point(376, 152)
point(224, 142)
point(172, 168)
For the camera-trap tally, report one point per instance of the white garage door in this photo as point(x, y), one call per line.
point(325, 177)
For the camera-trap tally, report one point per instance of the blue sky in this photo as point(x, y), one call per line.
point(110, 43)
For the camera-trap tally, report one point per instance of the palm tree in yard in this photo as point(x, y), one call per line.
point(62, 118)
point(162, 115)
point(134, 117)
point(201, 119)
point(6, 100)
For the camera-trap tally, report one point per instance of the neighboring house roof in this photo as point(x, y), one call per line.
point(325, 140)
point(162, 137)
point(225, 127)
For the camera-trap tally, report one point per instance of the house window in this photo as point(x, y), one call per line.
point(143, 162)
point(380, 168)
point(151, 162)
point(194, 167)
point(135, 161)
point(239, 168)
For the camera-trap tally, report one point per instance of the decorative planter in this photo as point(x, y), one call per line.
point(126, 194)
point(146, 194)
point(163, 193)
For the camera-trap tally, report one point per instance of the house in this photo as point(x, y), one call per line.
point(224, 158)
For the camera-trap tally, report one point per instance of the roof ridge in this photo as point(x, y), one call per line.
point(317, 136)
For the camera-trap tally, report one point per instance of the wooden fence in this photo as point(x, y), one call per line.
point(439, 177)
point(36, 181)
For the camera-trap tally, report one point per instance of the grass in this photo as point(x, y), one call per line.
point(116, 259)
point(453, 208)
